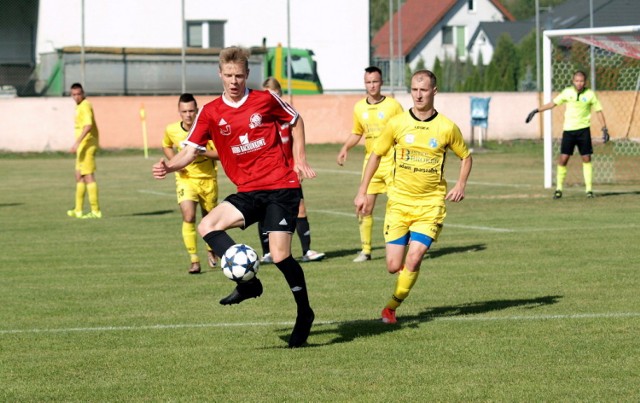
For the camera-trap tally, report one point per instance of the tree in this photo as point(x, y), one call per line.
point(502, 72)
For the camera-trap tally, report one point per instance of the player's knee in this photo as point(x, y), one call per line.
point(394, 265)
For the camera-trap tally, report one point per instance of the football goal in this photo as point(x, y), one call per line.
point(610, 56)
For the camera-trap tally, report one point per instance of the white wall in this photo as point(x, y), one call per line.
point(336, 30)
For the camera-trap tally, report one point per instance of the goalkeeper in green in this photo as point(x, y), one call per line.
point(576, 132)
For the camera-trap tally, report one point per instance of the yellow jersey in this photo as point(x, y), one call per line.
point(420, 149)
point(369, 120)
point(202, 167)
point(577, 114)
point(85, 117)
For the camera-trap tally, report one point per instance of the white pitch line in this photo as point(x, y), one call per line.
point(155, 192)
point(465, 318)
point(480, 228)
point(451, 181)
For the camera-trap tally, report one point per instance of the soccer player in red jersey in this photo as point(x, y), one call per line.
point(243, 124)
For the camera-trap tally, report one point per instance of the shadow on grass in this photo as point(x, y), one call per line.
point(151, 213)
point(10, 204)
point(350, 252)
point(431, 255)
point(351, 330)
point(455, 249)
point(609, 194)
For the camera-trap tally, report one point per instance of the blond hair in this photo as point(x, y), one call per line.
point(235, 54)
point(272, 84)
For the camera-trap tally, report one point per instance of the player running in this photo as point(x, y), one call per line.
point(197, 183)
point(302, 223)
point(243, 125)
point(369, 117)
point(416, 208)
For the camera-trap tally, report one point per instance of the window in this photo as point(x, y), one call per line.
point(453, 37)
point(205, 34)
point(471, 5)
point(447, 35)
point(194, 34)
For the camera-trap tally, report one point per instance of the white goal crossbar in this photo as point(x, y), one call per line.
point(623, 39)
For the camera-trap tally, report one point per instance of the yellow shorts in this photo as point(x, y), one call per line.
point(379, 183)
point(86, 159)
point(400, 219)
point(201, 191)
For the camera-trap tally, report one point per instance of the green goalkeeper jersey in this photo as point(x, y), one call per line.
point(578, 113)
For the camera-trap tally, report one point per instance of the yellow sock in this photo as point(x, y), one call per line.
point(190, 240)
point(404, 284)
point(365, 225)
point(560, 175)
point(587, 171)
point(92, 190)
point(80, 189)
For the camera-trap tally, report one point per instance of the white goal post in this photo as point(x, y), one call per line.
point(623, 40)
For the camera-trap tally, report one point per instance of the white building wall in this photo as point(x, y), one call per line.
point(336, 30)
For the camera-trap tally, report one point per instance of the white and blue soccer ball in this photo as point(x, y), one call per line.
point(240, 263)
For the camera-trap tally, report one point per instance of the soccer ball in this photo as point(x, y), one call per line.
point(240, 263)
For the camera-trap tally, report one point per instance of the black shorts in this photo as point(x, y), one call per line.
point(275, 210)
point(580, 138)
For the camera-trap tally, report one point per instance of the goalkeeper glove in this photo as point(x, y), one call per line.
point(531, 115)
point(605, 135)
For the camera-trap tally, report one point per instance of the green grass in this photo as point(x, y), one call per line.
point(522, 299)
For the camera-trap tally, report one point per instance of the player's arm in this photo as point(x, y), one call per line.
point(183, 158)
point(351, 141)
point(369, 170)
point(299, 152)
point(85, 130)
point(211, 154)
point(456, 194)
point(168, 152)
point(543, 108)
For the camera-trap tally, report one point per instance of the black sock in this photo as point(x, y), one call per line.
point(304, 232)
point(294, 275)
point(264, 240)
point(219, 242)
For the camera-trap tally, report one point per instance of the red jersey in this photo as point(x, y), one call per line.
point(287, 142)
point(245, 133)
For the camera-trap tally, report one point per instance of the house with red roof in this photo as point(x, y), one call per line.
point(430, 29)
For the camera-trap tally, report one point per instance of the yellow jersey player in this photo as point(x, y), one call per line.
point(576, 131)
point(197, 183)
point(416, 207)
point(369, 117)
point(85, 147)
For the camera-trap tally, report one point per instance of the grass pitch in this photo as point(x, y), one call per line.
point(524, 298)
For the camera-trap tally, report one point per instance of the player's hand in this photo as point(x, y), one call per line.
point(304, 171)
point(455, 195)
point(360, 202)
point(531, 115)
point(159, 169)
point(342, 157)
point(605, 135)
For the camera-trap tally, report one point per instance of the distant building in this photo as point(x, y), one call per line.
point(430, 29)
point(337, 32)
point(568, 15)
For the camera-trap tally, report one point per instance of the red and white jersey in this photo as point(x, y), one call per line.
point(245, 133)
point(287, 141)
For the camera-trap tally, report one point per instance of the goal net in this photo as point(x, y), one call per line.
point(611, 58)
